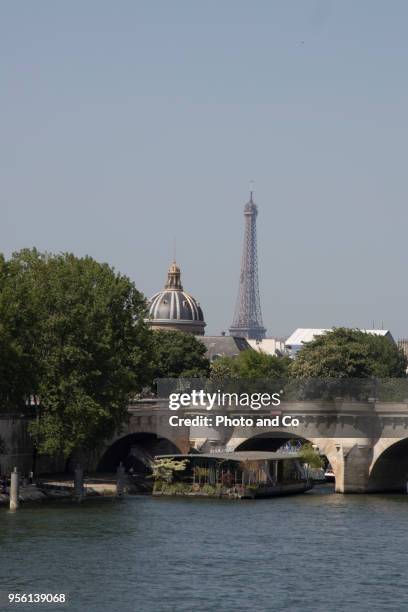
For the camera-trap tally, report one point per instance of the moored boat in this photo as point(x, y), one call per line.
point(233, 475)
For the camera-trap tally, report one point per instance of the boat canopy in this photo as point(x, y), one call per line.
point(236, 456)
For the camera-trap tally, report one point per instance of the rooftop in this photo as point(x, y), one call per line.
point(302, 335)
point(223, 346)
point(270, 346)
point(236, 456)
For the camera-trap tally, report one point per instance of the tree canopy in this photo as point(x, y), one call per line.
point(349, 353)
point(310, 456)
point(72, 333)
point(177, 354)
point(250, 364)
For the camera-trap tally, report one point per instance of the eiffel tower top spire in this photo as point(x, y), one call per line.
point(247, 321)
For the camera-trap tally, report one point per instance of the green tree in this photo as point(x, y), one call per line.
point(223, 369)
point(78, 329)
point(349, 353)
point(311, 457)
point(250, 364)
point(178, 354)
point(17, 324)
point(254, 364)
point(163, 469)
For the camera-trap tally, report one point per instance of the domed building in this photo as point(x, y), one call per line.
point(175, 309)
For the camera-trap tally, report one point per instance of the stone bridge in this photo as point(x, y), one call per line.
point(365, 442)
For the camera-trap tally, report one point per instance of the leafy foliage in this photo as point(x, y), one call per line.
point(310, 456)
point(250, 364)
point(17, 370)
point(223, 369)
point(163, 469)
point(74, 331)
point(349, 353)
point(179, 355)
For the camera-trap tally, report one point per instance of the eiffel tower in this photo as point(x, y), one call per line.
point(247, 321)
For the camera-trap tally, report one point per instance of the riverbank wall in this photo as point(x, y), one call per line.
point(61, 488)
point(17, 450)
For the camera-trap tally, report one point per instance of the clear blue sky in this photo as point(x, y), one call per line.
point(123, 124)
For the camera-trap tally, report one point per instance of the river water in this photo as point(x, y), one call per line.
point(318, 551)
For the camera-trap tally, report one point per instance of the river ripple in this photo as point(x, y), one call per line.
point(318, 551)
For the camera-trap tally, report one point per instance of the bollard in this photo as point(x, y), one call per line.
point(14, 490)
point(120, 480)
point(79, 482)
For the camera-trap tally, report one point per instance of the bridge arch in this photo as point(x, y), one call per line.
point(267, 441)
point(389, 468)
point(135, 451)
point(273, 440)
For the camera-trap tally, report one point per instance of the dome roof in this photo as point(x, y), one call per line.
point(175, 307)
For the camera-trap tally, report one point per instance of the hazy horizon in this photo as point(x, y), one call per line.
point(127, 124)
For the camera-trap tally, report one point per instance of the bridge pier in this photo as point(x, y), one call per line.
point(352, 467)
point(351, 460)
